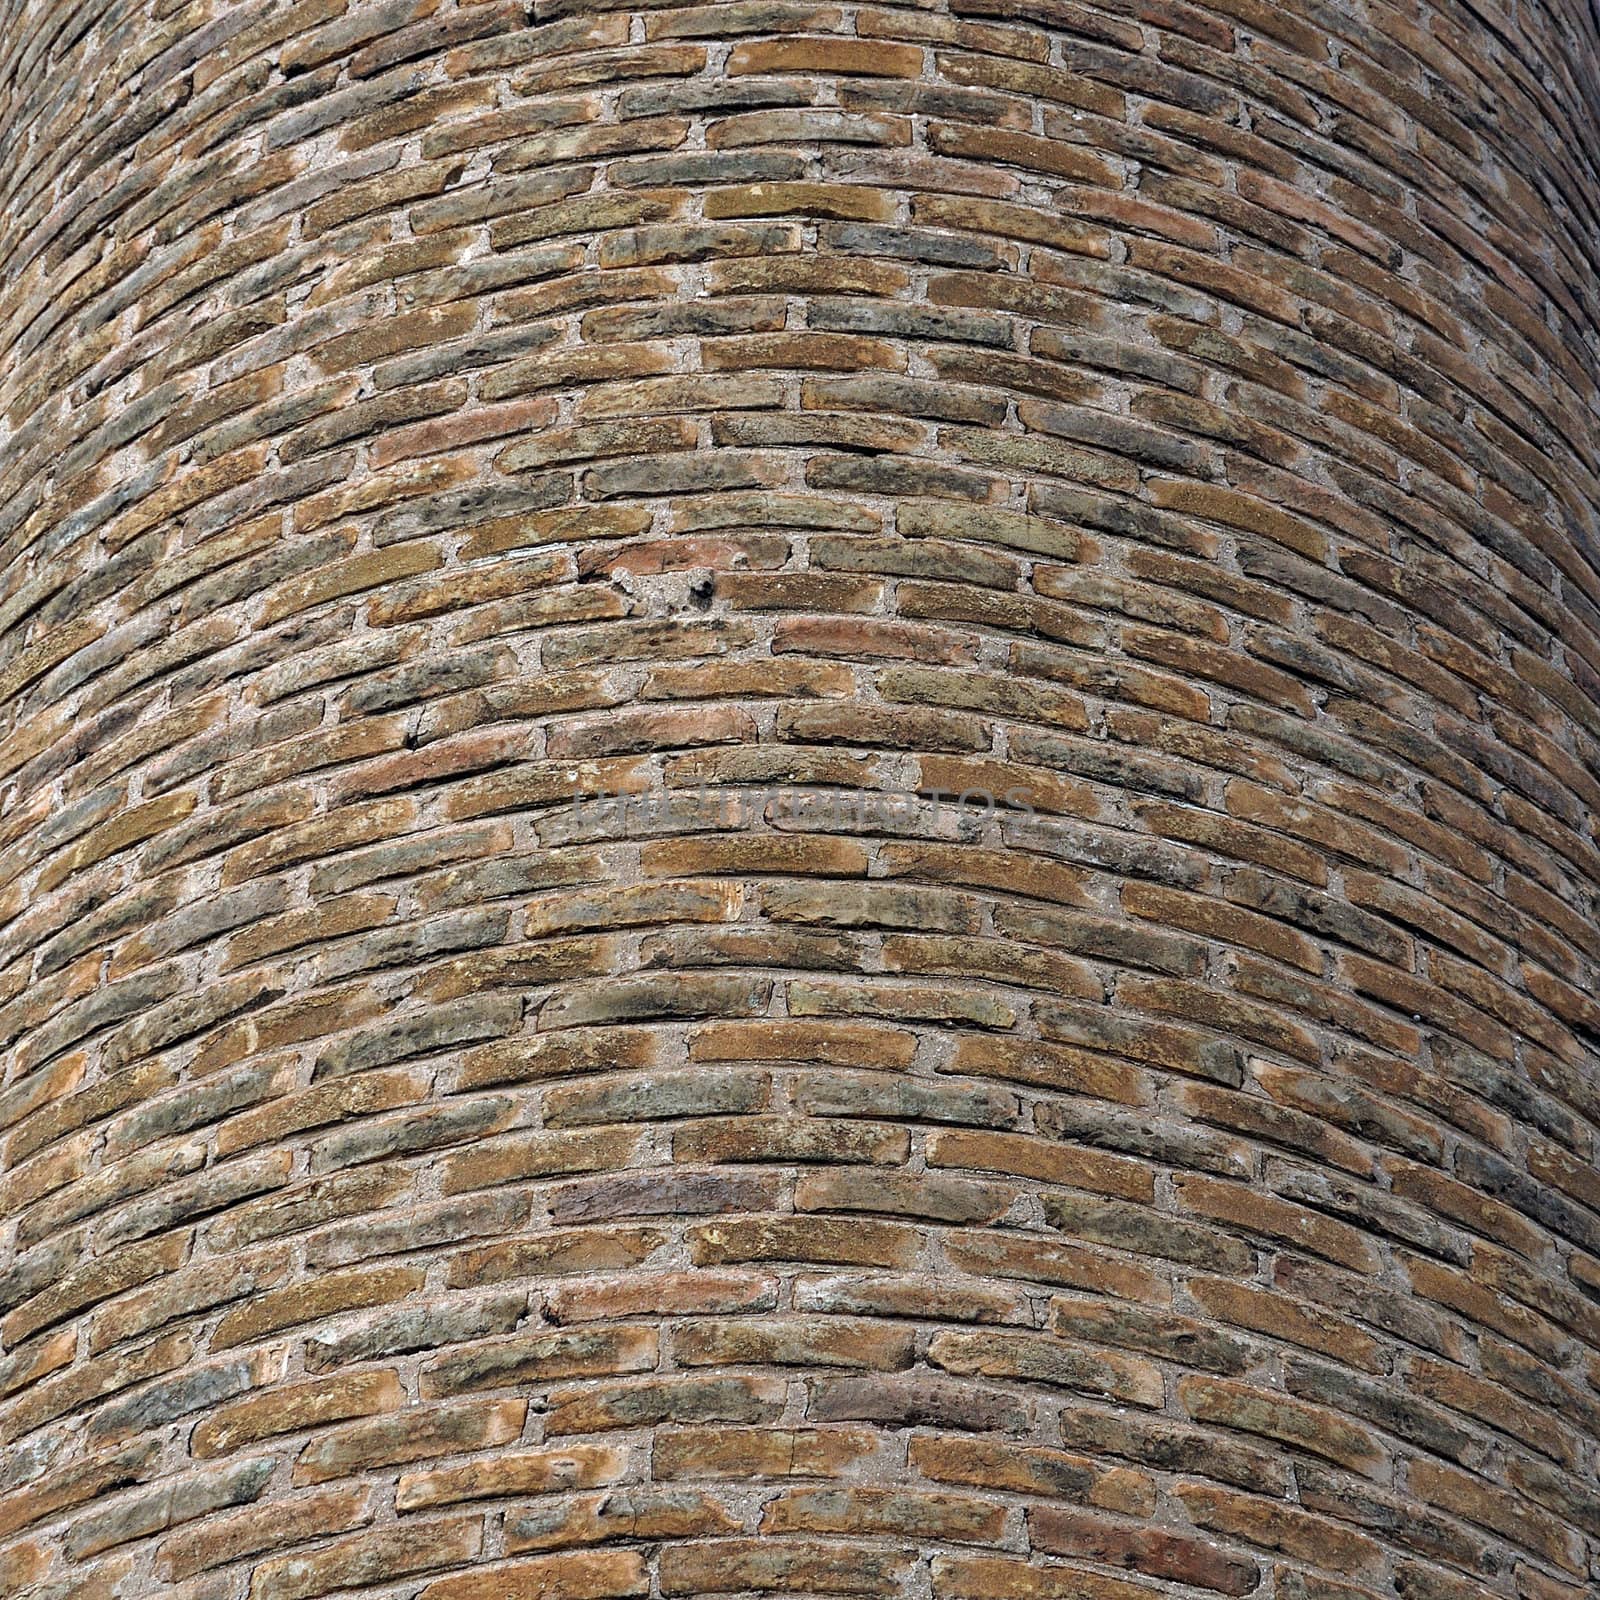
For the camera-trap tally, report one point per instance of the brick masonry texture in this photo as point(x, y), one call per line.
point(1176, 1180)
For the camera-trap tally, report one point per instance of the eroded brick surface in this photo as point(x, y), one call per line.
point(1175, 422)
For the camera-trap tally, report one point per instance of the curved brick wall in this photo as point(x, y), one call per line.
point(1176, 421)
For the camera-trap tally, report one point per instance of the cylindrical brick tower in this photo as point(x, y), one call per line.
point(799, 797)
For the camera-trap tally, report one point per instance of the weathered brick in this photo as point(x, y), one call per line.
point(821, 1239)
point(1252, 1410)
point(419, 1328)
point(969, 1577)
point(378, 1556)
point(332, 1294)
point(1047, 1360)
point(243, 1533)
point(673, 1399)
point(783, 1566)
point(293, 1409)
point(562, 1251)
point(1272, 1525)
point(732, 1453)
point(1146, 453)
point(578, 1466)
point(797, 1341)
point(552, 1355)
point(826, 56)
point(1017, 1468)
point(409, 1435)
point(1017, 1155)
point(1153, 1551)
point(642, 1512)
point(582, 1575)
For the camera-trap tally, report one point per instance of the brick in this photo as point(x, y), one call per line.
point(1493, 1507)
point(1159, 1554)
point(1017, 1155)
point(561, 1251)
point(409, 1435)
point(557, 1055)
point(87, 1284)
point(576, 1575)
point(838, 200)
point(1047, 1261)
point(1245, 1113)
point(797, 1341)
point(333, 1293)
point(1216, 504)
point(554, 1355)
point(919, 1515)
point(733, 1453)
point(793, 1039)
point(1280, 1318)
point(1174, 1171)
point(418, 1328)
point(1276, 1527)
point(699, 1292)
point(507, 1473)
point(1275, 1219)
point(1055, 157)
point(686, 1193)
point(688, 1399)
point(782, 1566)
point(1052, 1066)
point(961, 1577)
point(516, 1157)
point(379, 1556)
point(870, 59)
point(245, 1533)
point(1012, 1467)
point(1159, 1333)
point(790, 1139)
point(818, 1239)
point(72, 1485)
point(148, 1512)
point(1125, 1226)
point(835, 1094)
point(909, 1293)
point(293, 1409)
point(1407, 1415)
point(1046, 1360)
point(1252, 1410)
point(315, 1107)
point(910, 1002)
point(637, 1512)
